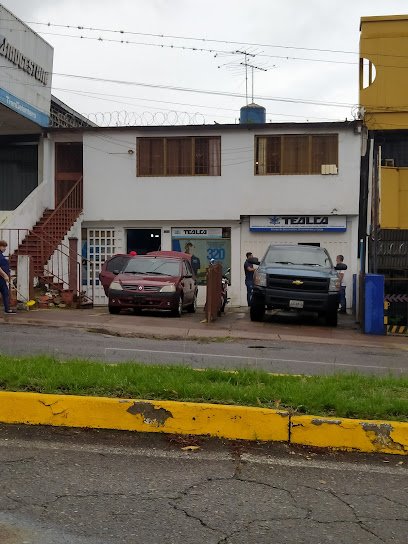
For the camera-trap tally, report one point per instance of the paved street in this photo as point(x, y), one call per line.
point(272, 355)
point(103, 487)
point(283, 343)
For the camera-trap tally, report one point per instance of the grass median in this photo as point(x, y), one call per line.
point(340, 395)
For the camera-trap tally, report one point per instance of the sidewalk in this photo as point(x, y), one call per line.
point(235, 323)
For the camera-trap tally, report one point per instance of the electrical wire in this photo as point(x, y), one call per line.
point(199, 91)
point(196, 39)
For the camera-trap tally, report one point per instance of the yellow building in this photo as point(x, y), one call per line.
point(384, 72)
point(384, 168)
point(384, 106)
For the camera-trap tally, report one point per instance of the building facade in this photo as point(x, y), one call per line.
point(216, 191)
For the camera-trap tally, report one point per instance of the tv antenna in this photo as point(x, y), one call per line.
point(253, 67)
point(247, 64)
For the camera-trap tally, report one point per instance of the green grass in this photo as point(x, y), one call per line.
point(340, 395)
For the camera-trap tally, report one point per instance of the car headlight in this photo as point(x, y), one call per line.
point(115, 285)
point(334, 284)
point(170, 288)
point(260, 278)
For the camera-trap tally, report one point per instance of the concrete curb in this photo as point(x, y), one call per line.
point(216, 420)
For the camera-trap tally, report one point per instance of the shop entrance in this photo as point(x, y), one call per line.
point(143, 240)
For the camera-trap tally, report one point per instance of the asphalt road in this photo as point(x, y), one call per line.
point(70, 486)
point(272, 356)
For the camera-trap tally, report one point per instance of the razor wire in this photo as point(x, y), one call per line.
point(125, 118)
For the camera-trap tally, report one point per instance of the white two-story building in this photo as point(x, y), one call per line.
point(216, 191)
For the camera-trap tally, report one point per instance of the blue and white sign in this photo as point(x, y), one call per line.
point(298, 223)
point(23, 108)
point(197, 232)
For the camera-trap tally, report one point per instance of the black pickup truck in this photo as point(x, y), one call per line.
point(296, 278)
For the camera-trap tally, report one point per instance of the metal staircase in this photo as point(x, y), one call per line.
point(53, 263)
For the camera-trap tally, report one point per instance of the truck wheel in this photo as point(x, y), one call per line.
point(113, 310)
point(257, 311)
point(331, 318)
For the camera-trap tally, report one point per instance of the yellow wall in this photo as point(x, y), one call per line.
point(394, 198)
point(384, 41)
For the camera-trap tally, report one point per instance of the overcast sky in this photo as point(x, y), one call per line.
point(279, 33)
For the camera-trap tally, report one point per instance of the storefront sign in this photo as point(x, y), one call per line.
point(16, 57)
point(298, 223)
point(23, 108)
point(197, 232)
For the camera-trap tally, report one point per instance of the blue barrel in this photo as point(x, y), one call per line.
point(253, 113)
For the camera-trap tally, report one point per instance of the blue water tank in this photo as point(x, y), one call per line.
point(253, 113)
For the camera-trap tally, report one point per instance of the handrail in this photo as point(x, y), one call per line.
point(49, 239)
point(61, 205)
point(54, 261)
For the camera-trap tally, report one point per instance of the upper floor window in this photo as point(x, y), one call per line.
point(296, 154)
point(185, 156)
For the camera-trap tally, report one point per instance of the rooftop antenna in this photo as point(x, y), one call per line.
point(246, 64)
point(253, 67)
point(252, 75)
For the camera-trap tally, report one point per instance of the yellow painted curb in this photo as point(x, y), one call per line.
point(217, 420)
point(350, 434)
point(224, 421)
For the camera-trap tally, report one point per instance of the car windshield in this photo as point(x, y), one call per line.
point(161, 267)
point(303, 256)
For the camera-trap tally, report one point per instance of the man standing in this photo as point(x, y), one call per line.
point(249, 276)
point(341, 267)
point(5, 278)
point(195, 261)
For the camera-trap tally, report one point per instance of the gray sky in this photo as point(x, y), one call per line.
point(298, 27)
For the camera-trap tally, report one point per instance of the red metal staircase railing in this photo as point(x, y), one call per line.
point(52, 261)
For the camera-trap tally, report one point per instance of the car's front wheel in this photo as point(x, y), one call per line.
point(113, 309)
point(257, 310)
point(179, 309)
point(331, 318)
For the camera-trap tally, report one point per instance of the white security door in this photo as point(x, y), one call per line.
point(101, 245)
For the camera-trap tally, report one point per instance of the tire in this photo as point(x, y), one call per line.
point(113, 310)
point(179, 310)
point(192, 308)
point(331, 318)
point(257, 311)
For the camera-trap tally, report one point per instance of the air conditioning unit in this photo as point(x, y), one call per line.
point(388, 162)
point(329, 169)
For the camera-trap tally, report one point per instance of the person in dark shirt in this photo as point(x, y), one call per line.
point(249, 276)
point(195, 261)
point(5, 278)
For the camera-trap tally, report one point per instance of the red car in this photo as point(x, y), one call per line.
point(113, 266)
point(156, 281)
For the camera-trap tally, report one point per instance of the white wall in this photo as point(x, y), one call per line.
point(112, 191)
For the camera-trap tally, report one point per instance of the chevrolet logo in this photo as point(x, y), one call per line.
point(297, 282)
